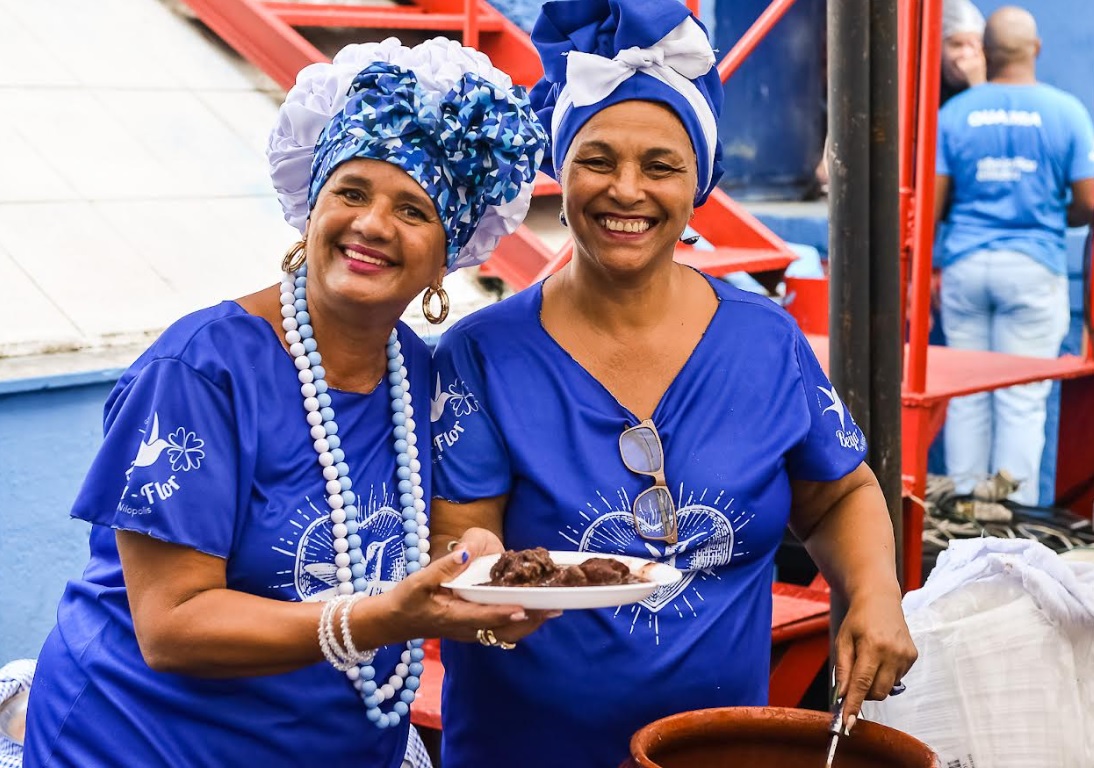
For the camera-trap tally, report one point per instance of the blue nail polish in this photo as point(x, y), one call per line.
point(464, 556)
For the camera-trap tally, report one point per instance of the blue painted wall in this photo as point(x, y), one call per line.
point(47, 441)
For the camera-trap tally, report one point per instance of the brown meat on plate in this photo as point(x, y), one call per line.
point(570, 576)
point(601, 570)
point(523, 568)
point(534, 568)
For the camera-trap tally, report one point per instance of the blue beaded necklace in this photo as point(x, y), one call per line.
point(348, 559)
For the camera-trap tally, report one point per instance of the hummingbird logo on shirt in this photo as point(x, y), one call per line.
point(185, 452)
point(151, 447)
point(461, 401)
point(436, 404)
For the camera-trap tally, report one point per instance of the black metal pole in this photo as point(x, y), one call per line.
point(849, 199)
point(849, 216)
point(886, 344)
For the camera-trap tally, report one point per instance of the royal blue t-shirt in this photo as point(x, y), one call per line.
point(514, 414)
point(206, 445)
point(1012, 153)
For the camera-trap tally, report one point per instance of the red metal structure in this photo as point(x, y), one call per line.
point(932, 374)
point(265, 33)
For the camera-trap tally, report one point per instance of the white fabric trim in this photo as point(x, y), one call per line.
point(320, 92)
point(681, 56)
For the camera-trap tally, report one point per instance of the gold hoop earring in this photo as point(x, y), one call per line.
point(295, 257)
point(427, 304)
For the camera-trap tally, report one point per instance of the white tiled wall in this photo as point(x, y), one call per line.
point(37, 322)
point(133, 179)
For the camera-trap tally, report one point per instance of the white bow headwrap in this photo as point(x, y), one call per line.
point(676, 59)
point(683, 55)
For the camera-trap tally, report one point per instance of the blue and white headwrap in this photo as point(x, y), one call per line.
point(441, 112)
point(597, 53)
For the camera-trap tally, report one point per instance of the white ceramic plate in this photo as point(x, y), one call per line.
point(468, 585)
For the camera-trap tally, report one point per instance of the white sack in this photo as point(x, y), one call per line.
point(1005, 676)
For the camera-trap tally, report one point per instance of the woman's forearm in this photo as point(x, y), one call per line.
point(853, 545)
point(845, 527)
point(188, 621)
point(226, 633)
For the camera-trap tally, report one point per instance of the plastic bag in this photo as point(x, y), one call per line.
point(1005, 676)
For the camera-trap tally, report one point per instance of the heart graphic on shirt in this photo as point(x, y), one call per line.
point(705, 542)
point(382, 554)
point(662, 596)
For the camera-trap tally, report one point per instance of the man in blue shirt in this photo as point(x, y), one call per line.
point(1016, 167)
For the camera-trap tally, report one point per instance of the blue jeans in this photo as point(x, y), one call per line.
point(1006, 302)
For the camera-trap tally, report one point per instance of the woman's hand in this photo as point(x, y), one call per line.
point(421, 607)
point(846, 529)
point(874, 650)
point(486, 542)
point(476, 526)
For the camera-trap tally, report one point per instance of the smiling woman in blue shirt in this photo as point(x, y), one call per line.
point(631, 405)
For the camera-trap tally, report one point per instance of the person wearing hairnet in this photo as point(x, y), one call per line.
point(963, 63)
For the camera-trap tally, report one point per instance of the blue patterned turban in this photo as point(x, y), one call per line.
point(440, 112)
point(597, 53)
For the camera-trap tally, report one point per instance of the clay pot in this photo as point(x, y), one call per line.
point(770, 737)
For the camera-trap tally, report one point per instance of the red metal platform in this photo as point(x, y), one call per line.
point(956, 372)
point(933, 375)
point(953, 373)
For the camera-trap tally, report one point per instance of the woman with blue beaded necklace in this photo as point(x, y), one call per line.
point(630, 405)
point(261, 474)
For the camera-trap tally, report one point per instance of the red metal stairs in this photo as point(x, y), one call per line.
point(265, 33)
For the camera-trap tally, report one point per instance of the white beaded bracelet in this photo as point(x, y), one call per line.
point(326, 641)
point(343, 655)
point(360, 657)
